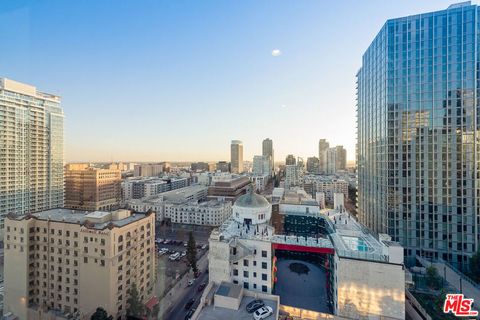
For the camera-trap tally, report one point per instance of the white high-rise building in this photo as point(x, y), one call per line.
point(31, 150)
point(236, 153)
point(261, 165)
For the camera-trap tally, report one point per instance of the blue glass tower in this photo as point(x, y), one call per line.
point(418, 133)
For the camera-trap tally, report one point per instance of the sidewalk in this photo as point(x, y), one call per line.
point(175, 294)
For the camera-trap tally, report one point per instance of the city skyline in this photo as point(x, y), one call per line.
point(271, 57)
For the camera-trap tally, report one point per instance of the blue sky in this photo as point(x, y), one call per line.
point(177, 80)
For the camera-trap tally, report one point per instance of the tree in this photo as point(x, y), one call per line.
point(432, 278)
point(101, 314)
point(135, 305)
point(192, 252)
point(475, 266)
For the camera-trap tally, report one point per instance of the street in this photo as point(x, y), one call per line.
point(178, 311)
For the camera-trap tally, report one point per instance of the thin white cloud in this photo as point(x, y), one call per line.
point(276, 52)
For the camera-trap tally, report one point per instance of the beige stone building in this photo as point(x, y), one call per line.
point(91, 189)
point(62, 262)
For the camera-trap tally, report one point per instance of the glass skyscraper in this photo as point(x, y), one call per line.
point(31, 150)
point(418, 133)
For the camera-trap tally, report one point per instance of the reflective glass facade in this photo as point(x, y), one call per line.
point(417, 139)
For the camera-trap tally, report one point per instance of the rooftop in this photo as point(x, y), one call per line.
point(233, 229)
point(81, 217)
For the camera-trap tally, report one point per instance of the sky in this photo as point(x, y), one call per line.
point(178, 80)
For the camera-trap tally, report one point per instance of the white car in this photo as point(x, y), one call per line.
point(190, 282)
point(174, 256)
point(204, 247)
point(262, 313)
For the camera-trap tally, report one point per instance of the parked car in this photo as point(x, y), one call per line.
point(174, 256)
point(185, 244)
point(262, 313)
point(254, 305)
point(201, 287)
point(184, 253)
point(190, 282)
point(190, 303)
point(204, 247)
point(189, 314)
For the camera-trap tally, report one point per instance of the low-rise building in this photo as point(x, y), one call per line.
point(329, 185)
point(207, 213)
point(64, 263)
point(229, 186)
point(138, 188)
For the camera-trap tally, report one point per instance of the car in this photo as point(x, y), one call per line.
point(201, 287)
point(189, 314)
point(190, 303)
point(185, 244)
point(262, 313)
point(190, 282)
point(254, 305)
point(174, 256)
point(204, 247)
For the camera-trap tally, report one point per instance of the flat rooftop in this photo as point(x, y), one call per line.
point(228, 289)
point(231, 229)
point(80, 217)
point(351, 239)
point(217, 313)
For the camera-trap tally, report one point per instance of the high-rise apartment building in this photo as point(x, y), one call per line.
point(236, 154)
point(64, 262)
point(267, 150)
point(313, 165)
point(290, 160)
point(261, 165)
point(331, 161)
point(31, 150)
point(417, 133)
point(340, 158)
point(323, 145)
point(92, 189)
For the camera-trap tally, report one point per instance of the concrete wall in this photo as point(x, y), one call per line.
point(369, 289)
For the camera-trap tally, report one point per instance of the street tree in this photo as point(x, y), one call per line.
point(192, 252)
point(101, 314)
point(135, 304)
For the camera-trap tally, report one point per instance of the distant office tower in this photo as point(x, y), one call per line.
point(323, 145)
point(313, 165)
point(223, 166)
point(293, 175)
point(236, 155)
point(261, 165)
point(267, 150)
point(63, 264)
point(417, 133)
point(92, 189)
point(31, 150)
point(290, 160)
point(341, 158)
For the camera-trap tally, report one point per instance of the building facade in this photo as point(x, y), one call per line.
point(340, 158)
point(290, 160)
point(148, 169)
point(91, 189)
point(313, 165)
point(236, 156)
point(417, 122)
point(229, 187)
point(261, 165)
point(207, 213)
point(31, 150)
point(64, 262)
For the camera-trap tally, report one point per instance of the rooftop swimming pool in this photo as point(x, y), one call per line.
point(355, 243)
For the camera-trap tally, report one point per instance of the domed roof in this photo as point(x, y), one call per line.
point(252, 200)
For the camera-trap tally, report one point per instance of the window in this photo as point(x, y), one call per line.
point(85, 259)
point(254, 274)
point(245, 262)
point(235, 272)
point(264, 265)
point(264, 276)
point(264, 288)
point(245, 285)
point(245, 274)
point(264, 254)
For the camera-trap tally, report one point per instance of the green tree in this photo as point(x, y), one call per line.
point(475, 266)
point(135, 305)
point(432, 278)
point(100, 314)
point(192, 252)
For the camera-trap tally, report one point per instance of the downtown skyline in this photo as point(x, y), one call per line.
point(269, 65)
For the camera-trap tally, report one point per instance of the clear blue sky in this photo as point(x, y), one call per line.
point(177, 80)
